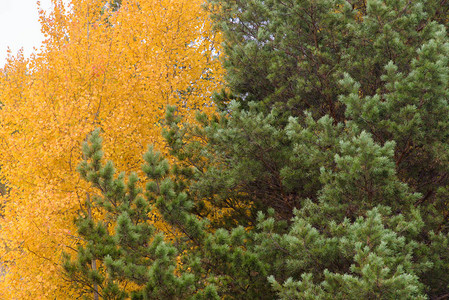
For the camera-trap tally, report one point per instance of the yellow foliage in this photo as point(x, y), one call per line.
point(116, 70)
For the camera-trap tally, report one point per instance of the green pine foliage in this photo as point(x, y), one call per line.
point(323, 175)
point(123, 241)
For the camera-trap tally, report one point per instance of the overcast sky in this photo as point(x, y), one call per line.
point(19, 26)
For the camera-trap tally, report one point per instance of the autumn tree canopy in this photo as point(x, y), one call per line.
point(109, 65)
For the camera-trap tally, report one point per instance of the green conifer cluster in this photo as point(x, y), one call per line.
point(324, 174)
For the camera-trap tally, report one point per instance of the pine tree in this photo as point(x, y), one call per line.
point(134, 260)
point(336, 115)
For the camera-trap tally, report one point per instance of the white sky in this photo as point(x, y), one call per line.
point(19, 26)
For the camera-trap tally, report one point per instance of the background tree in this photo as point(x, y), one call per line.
point(99, 67)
